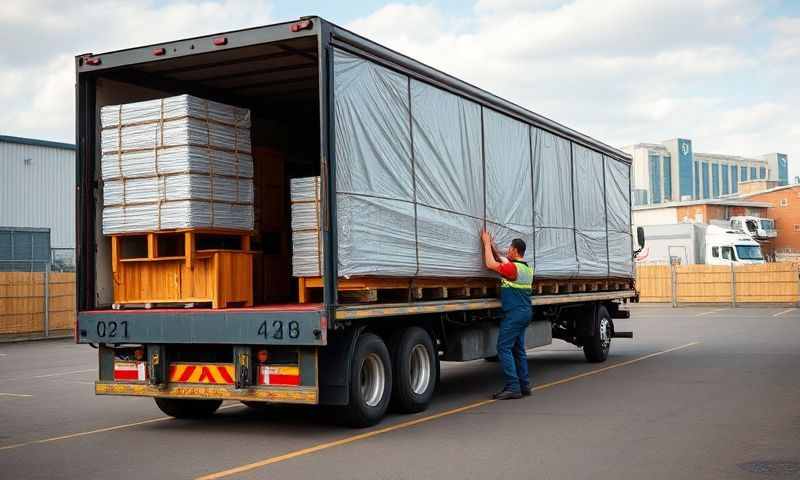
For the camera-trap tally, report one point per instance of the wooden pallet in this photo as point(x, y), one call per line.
point(370, 289)
point(366, 289)
point(167, 268)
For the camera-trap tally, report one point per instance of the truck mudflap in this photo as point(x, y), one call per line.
point(287, 394)
point(247, 326)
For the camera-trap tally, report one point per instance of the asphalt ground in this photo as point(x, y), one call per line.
point(700, 392)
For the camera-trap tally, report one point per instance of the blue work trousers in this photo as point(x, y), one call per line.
point(511, 348)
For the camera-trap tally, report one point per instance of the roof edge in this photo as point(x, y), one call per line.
point(36, 142)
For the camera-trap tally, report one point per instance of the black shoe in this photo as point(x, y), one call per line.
point(526, 392)
point(506, 395)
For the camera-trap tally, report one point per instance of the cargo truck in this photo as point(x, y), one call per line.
point(311, 342)
point(698, 244)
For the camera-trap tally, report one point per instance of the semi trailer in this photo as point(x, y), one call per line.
point(412, 163)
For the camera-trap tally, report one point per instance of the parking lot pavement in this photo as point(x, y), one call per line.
point(700, 392)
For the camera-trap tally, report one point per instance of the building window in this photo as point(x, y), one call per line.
point(784, 202)
point(667, 164)
point(743, 171)
point(797, 227)
point(704, 168)
point(655, 179)
point(734, 179)
point(753, 173)
point(762, 173)
point(725, 179)
point(696, 180)
point(715, 180)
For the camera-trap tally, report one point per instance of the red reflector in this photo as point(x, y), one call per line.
point(302, 25)
point(219, 41)
point(93, 61)
point(159, 51)
point(130, 371)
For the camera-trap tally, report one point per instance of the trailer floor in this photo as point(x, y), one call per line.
point(701, 392)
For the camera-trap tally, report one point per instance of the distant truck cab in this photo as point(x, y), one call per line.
point(758, 228)
point(695, 243)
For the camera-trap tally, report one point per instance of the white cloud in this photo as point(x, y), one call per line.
point(42, 38)
point(623, 71)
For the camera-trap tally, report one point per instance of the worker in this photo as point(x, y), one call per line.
point(515, 296)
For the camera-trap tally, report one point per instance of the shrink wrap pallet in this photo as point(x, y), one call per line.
point(178, 162)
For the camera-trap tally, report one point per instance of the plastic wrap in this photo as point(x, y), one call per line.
point(178, 162)
point(590, 212)
point(553, 216)
point(411, 201)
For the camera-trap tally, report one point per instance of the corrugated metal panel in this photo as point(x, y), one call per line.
point(37, 186)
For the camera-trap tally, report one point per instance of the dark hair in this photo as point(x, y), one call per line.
point(519, 246)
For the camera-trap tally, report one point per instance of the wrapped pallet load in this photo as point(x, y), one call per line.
point(178, 201)
point(421, 171)
point(174, 163)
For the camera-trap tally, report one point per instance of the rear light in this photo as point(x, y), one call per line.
point(278, 375)
point(220, 41)
point(93, 61)
point(301, 25)
point(262, 356)
point(130, 371)
point(159, 51)
point(138, 354)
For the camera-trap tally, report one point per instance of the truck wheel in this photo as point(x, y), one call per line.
point(415, 370)
point(596, 347)
point(180, 408)
point(370, 382)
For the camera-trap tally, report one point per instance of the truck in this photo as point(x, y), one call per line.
point(697, 244)
point(758, 228)
point(360, 355)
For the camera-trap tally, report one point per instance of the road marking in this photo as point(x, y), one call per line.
point(22, 395)
point(411, 423)
point(99, 430)
point(784, 312)
point(48, 375)
point(710, 312)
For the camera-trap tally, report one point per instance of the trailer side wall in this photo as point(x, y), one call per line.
point(420, 171)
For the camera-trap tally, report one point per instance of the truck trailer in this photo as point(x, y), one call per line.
point(401, 285)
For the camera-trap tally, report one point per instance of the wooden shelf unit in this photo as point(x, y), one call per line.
point(222, 277)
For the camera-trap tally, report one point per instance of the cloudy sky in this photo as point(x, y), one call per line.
point(725, 73)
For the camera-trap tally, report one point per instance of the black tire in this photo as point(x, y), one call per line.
point(180, 408)
point(415, 370)
point(596, 346)
point(368, 403)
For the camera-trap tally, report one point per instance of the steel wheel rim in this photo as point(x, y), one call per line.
point(605, 340)
point(419, 371)
point(373, 380)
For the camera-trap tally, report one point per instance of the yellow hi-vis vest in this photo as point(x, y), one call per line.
point(524, 280)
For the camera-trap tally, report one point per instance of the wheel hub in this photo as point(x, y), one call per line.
point(373, 380)
point(419, 369)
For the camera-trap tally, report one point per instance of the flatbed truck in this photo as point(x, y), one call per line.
point(357, 357)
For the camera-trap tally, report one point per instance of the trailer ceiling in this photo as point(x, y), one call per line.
point(256, 74)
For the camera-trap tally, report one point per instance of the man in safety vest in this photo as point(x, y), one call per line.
point(515, 295)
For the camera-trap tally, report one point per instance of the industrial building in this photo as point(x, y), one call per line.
point(672, 171)
point(37, 199)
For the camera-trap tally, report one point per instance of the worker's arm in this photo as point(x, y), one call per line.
point(497, 256)
point(490, 256)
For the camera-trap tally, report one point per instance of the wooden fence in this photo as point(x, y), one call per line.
point(768, 283)
point(22, 299)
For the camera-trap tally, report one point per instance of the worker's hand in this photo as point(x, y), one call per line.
point(486, 238)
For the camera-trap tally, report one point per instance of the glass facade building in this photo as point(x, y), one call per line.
point(671, 171)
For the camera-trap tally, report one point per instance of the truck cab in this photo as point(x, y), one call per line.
point(724, 246)
point(758, 228)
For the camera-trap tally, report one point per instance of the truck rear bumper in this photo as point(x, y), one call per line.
point(299, 394)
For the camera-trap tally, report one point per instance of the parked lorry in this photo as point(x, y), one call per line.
point(328, 349)
point(758, 228)
point(697, 243)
